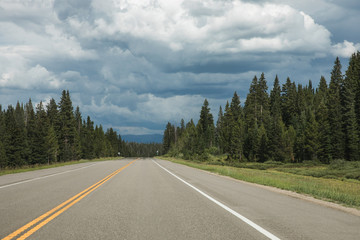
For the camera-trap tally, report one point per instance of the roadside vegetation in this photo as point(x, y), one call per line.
point(291, 123)
point(56, 133)
point(293, 137)
point(337, 182)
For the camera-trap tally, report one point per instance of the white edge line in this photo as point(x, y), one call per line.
point(51, 175)
point(242, 218)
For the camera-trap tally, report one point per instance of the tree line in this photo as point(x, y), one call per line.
point(292, 123)
point(55, 132)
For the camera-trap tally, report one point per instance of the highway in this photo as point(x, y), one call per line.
point(157, 199)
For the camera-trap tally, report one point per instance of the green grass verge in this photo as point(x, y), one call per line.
point(52, 165)
point(345, 191)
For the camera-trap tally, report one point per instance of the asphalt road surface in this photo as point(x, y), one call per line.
point(156, 199)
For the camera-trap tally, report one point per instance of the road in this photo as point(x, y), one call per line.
point(156, 199)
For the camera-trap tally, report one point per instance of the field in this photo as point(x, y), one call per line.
point(337, 182)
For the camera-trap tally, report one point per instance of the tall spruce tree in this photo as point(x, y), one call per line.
point(334, 109)
point(169, 137)
point(277, 128)
point(236, 129)
point(67, 128)
point(311, 143)
point(30, 123)
point(263, 101)
point(289, 102)
point(206, 127)
point(218, 129)
point(41, 128)
point(15, 137)
point(349, 123)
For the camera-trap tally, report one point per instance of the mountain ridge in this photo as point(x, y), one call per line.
point(145, 138)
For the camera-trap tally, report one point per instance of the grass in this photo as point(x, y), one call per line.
point(307, 179)
point(52, 165)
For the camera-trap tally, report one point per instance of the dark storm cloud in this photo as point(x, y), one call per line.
point(135, 65)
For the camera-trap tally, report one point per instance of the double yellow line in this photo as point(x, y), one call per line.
point(34, 225)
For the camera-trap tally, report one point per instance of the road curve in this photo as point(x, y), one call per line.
point(156, 199)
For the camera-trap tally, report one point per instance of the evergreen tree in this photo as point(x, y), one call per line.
point(15, 137)
point(169, 137)
point(263, 101)
point(289, 102)
point(350, 99)
point(205, 127)
point(277, 128)
point(311, 137)
point(290, 141)
point(67, 128)
point(324, 148)
point(87, 142)
point(41, 131)
point(353, 78)
point(112, 138)
point(334, 110)
point(236, 129)
point(251, 107)
point(53, 114)
point(263, 144)
point(349, 123)
point(218, 129)
point(51, 145)
point(30, 123)
point(225, 129)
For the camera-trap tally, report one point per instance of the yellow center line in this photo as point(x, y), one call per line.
point(70, 202)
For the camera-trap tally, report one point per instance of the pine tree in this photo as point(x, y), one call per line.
point(321, 93)
point(169, 137)
point(225, 129)
point(289, 102)
point(112, 138)
point(263, 101)
point(41, 131)
point(353, 77)
point(190, 140)
point(205, 127)
point(251, 107)
point(263, 144)
point(277, 128)
point(235, 129)
point(350, 99)
point(218, 129)
point(349, 123)
point(311, 143)
point(53, 113)
point(324, 148)
point(31, 132)
point(67, 128)
point(52, 146)
point(15, 137)
point(87, 139)
point(290, 140)
point(334, 109)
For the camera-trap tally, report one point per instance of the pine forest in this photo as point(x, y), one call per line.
point(292, 123)
point(57, 133)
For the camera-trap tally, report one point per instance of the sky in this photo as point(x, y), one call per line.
point(135, 65)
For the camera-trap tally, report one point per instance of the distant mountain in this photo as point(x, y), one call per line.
point(148, 138)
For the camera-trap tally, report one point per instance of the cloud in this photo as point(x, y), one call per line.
point(138, 64)
point(345, 49)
